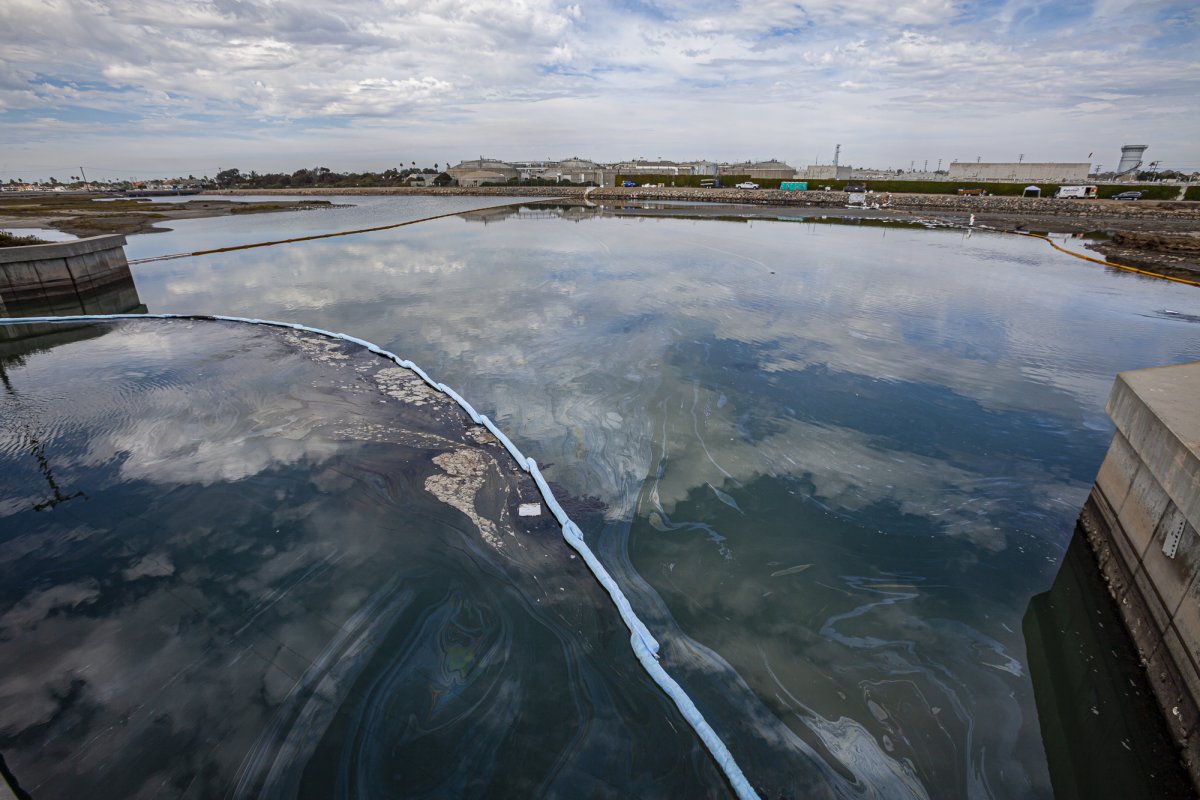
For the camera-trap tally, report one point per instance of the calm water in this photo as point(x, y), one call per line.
point(237, 562)
point(836, 462)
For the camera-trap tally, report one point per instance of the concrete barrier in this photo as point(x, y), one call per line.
point(1141, 519)
point(85, 276)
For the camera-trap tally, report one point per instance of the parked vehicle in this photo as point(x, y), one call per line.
point(1077, 193)
point(747, 185)
point(855, 187)
point(1128, 196)
point(628, 183)
point(977, 191)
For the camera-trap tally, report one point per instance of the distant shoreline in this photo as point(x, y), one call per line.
point(1161, 236)
point(1157, 235)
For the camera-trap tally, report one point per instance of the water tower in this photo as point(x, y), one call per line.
point(1131, 157)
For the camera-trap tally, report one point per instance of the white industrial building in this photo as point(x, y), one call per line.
point(772, 169)
point(482, 170)
point(1017, 171)
point(827, 172)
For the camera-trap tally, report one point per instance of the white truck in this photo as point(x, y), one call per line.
point(1078, 192)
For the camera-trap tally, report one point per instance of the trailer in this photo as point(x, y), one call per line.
point(794, 186)
point(1077, 192)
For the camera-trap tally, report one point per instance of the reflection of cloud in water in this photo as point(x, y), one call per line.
point(848, 470)
point(551, 329)
point(309, 616)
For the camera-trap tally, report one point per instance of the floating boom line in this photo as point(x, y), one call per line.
point(645, 646)
point(312, 237)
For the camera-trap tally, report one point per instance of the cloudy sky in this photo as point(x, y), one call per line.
point(158, 87)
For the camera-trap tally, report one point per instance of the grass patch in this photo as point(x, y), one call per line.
point(12, 240)
point(1193, 193)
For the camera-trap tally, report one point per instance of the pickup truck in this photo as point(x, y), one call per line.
point(746, 185)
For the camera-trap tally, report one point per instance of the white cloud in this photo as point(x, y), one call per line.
point(538, 75)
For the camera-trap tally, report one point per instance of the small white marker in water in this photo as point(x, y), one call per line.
point(530, 510)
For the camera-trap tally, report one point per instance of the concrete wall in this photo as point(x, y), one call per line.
point(86, 276)
point(1147, 495)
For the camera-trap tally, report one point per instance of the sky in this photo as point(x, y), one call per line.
point(157, 88)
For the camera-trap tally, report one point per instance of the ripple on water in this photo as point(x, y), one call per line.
point(278, 567)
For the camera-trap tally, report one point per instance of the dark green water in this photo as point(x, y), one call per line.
point(835, 463)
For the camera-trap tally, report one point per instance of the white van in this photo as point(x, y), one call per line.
point(1081, 192)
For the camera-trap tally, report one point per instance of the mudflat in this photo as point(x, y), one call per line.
point(95, 214)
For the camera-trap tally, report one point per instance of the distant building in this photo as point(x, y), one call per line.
point(770, 170)
point(576, 170)
point(827, 172)
point(1049, 172)
point(640, 167)
point(701, 167)
point(482, 170)
point(421, 179)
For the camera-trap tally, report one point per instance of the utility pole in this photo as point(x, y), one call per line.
point(84, 174)
point(1020, 158)
point(837, 151)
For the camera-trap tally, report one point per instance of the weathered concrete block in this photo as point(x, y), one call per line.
point(1117, 471)
point(1172, 576)
point(1144, 506)
point(38, 252)
point(1158, 413)
point(1153, 605)
point(1186, 617)
point(1154, 462)
point(59, 279)
point(1184, 716)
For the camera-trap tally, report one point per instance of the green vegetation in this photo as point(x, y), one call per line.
point(324, 178)
point(1193, 193)
point(1155, 191)
point(12, 240)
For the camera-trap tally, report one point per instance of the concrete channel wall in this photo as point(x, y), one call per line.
point(1141, 520)
point(85, 276)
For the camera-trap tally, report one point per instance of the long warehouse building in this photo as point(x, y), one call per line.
point(1051, 172)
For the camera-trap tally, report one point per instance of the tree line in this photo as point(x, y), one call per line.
point(325, 177)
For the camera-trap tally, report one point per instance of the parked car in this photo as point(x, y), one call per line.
point(746, 185)
point(855, 187)
point(1128, 196)
point(628, 183)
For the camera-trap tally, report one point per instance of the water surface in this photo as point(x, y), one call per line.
point(243, 562)
point(836, 461)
